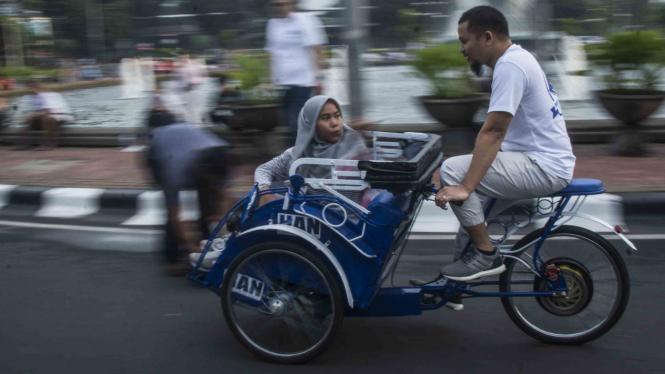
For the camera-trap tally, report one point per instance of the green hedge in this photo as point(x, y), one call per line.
point(25, 72)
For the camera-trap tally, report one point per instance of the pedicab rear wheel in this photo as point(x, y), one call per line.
point(282, 302)
point(596, 279)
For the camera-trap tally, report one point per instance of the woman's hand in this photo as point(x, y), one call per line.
point(451, 194)
point(266, 198)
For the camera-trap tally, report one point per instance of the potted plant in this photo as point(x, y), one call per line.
point(255, 107)
point(630, 62)
point(455, 96)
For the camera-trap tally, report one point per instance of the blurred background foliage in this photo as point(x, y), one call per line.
point(446, 70)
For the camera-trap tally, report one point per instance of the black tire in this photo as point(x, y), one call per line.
point(616, 268)
point(299, 309)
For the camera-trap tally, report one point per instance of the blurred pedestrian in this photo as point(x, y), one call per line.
point(182, 156)
point(190, 78)
point(45, 111)
point(294, 41)
point(4, 109)
point(164, 108)
point(225, 95)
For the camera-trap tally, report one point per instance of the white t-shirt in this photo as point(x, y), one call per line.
point(520, 87)
point(289, 41)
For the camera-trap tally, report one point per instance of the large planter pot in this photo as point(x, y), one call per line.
point(262, 117)
point(457, 116)
point(630, 107)
point(454, 113)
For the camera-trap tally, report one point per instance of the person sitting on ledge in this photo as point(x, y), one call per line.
point(43, 111)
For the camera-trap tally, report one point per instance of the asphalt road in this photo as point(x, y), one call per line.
point(72, 303)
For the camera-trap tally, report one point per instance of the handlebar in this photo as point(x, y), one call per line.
point(430, 188)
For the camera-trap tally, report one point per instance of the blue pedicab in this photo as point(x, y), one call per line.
point(291, 270)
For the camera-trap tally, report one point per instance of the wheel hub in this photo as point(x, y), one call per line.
point(277, 306)
point(579, 290)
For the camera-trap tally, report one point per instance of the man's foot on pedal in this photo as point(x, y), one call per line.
point(473, 265)
point(455, 302)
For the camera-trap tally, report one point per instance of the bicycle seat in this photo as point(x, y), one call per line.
point(388, 209)
point(582, 187)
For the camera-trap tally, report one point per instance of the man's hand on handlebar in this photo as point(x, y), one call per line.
point(451, 194)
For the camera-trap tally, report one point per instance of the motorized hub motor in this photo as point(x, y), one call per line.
point(578, 284)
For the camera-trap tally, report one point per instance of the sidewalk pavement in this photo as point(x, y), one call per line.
point(113, 168)
point(112, 186)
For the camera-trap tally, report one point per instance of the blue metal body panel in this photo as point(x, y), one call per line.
point(391, 302)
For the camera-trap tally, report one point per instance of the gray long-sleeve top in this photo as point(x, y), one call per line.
point(277, 170)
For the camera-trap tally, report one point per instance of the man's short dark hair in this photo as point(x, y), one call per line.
point(485, 18)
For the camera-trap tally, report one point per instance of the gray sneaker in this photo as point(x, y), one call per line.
point(473, 265)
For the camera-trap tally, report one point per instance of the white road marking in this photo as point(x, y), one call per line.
point(152, 212)
point(173, 315)
point(414, 236)
point(135, 148)
point(5, 190)
point(70, 202)
point(417, 236)
point(607, 207)
point(114, 230)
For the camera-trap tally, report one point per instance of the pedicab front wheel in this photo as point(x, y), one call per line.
point(282, 302)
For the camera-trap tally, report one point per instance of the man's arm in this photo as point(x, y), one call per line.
point(316, 40)
point(488, 144)
point(268, 48)
point(319, 66)
point(319, 51)
point(271, 81)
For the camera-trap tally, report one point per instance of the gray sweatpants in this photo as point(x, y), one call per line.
point(512, 176)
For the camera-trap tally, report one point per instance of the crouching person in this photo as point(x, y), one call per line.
point(181, 157)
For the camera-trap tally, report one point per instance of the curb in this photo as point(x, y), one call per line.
point(580, 132)
point(93, 205)
point(126, 207)
point(644, 204)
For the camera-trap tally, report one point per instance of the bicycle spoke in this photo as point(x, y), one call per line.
point(290, 316)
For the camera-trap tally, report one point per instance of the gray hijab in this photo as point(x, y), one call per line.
point(309, 145)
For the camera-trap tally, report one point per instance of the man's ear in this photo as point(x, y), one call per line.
point(488, 37)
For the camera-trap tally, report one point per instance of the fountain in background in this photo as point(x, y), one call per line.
point(147, 74)
point(130, 73)
point(517, 13)
point(562, 56)
point(567, 65)
point(137, 77)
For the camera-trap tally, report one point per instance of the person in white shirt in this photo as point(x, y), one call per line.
point(190, 78)
point(294, 42)
point(522, 151)
point(45, 111)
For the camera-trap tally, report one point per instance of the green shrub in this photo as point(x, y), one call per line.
point(252, 74)
point(27, 72)
point(253, 71)
point(634, 59)
point(446, 69)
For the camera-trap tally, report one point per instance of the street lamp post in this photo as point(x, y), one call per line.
point(355, 35)
point(94, 18)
